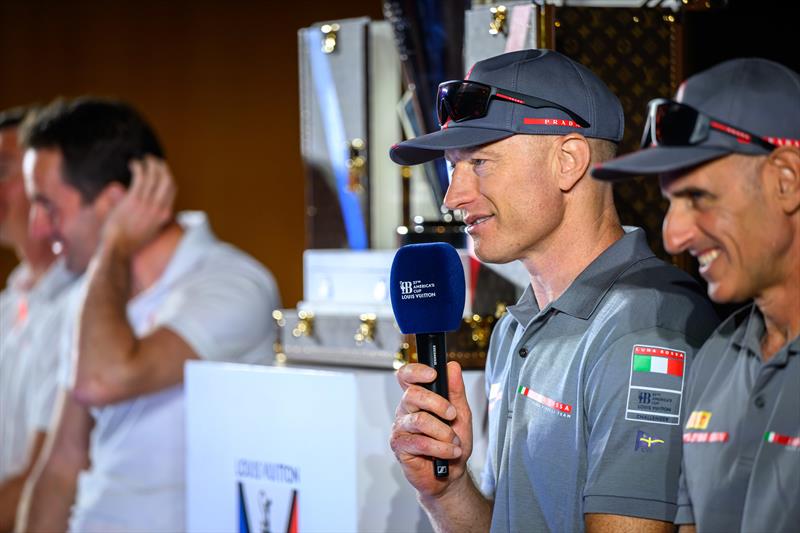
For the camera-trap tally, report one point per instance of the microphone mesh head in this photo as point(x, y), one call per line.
point(427, 288)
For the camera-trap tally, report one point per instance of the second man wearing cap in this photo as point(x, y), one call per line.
point(727, 152)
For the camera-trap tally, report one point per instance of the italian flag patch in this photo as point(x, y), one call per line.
point(658, 360)
point(783, 440)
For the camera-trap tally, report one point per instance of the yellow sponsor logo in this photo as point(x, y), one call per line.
point(650, 441)
point(698, 420)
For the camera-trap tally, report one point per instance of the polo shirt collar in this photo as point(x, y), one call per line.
point(49, 285)
point(749, 338)
point(526, 307)
point(585, 293)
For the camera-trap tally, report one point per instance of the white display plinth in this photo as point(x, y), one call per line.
point(317, 440)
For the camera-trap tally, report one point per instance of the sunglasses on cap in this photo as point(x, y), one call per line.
point(460, 100)
point(671, 123)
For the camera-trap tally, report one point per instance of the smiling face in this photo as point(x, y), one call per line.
point(723, 214)
point(510, 199)
point(57, 211)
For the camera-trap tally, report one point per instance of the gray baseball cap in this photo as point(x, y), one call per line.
point(747, 96)
point(542, 74)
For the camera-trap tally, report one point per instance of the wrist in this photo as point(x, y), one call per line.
point(452, 490)
point(113, 242)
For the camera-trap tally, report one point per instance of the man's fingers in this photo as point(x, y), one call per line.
point(164, 190)
point(137, 178)
point(425, 423)
point(405, 444)
point(415, 373)
point(417, 398)
point(152, 185)
point(458, 398)
point(155, 173)
point(455, 385)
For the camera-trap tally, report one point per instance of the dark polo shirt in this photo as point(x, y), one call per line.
point(585, 395)
point(741, 438)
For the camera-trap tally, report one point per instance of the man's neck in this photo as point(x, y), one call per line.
point(149, 263)
point(780, 306)
point(38, 255)
point(567, 253)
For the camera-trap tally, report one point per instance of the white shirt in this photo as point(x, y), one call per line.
point(220, 301)
point(29, 330)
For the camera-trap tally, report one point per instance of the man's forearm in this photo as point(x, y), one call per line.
point(51, 487)
point(461, 509)
point(609, 523)
point(105, 341)
point(46, 502)
point(10, 492)
point(11, 489)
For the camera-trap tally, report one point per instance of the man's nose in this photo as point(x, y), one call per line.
point(41, 227)
point(461, 190)
point(678, 229)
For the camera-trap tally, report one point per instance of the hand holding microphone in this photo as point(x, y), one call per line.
point(427, 292)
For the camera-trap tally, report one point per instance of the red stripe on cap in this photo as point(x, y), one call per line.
point(782, 141)
point(551, 122)
point(742, 136)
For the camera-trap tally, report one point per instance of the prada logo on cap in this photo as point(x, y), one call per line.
point(551, 122)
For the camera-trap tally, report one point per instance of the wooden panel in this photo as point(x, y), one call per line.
point(217, 79)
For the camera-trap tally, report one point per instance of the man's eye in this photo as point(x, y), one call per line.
point(477, 162)
point(696, 196)
point(48, 208)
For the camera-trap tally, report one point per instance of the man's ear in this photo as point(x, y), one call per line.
point(784, 162)
point(573, 157)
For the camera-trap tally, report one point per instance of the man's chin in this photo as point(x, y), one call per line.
point(492, 256)
point(719, 293)
point(75, 266)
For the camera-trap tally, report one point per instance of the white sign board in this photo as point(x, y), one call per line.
point(270, 449)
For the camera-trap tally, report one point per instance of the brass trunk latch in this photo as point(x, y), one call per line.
point(305, 326)
point(498, 23)
point(329, 34)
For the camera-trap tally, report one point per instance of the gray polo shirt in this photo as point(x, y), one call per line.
point(741, 438)
point(585, 395)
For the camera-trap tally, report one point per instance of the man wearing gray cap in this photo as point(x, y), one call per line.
point(585, 373)
point(727, 151)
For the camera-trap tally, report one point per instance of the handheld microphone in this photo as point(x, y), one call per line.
point(427, 292)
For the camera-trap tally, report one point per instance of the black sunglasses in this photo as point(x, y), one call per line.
point(459, 100)
point(671, 123)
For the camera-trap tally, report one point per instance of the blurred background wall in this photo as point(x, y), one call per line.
point(218, 80)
